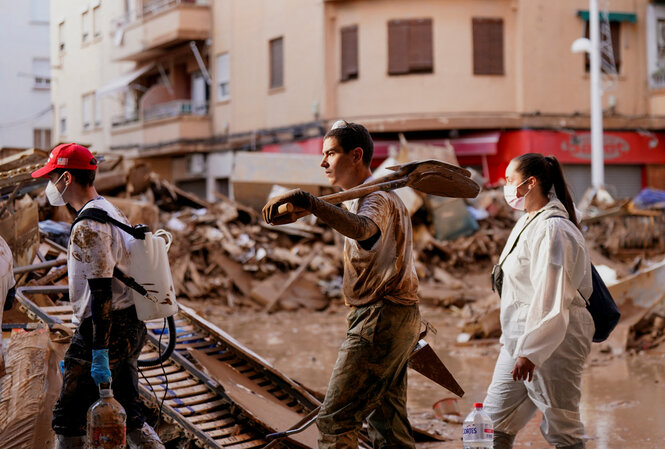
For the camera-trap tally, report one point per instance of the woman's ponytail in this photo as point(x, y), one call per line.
point(561, 188)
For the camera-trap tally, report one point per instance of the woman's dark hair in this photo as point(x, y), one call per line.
point(547, 170)
point(353, 135)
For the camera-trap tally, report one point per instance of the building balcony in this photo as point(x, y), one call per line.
point(164, 124)
point(159, 25)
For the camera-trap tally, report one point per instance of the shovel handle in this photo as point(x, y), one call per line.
point(350, 194)
point(285, 208)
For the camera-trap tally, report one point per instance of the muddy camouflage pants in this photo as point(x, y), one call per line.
point(79, 391)
point(369, 379)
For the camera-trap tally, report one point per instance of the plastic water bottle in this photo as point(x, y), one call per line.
point(478, 430)
point(107, 422)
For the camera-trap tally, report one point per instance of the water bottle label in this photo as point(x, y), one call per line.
point(477, 432)
point(108, 437)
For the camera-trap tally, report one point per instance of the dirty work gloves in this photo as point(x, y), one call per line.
point(301, 200)
point(100, 371)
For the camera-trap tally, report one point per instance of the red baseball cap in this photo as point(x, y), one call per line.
point(67, 156)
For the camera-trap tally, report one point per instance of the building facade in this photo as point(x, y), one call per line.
point(181, 82)
point(25, 119)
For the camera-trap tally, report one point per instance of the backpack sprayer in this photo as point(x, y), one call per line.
point(148, 275)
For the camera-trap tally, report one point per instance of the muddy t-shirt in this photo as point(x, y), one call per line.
point(94, 250)
point(386, 270)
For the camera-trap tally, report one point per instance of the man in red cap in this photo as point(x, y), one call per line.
point(109, 336)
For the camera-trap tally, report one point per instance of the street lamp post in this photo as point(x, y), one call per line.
point(597, 168)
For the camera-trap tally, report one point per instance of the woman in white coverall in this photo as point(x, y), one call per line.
point(546, 328)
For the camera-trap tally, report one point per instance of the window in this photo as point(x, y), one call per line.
point(223, 77)
point(349, 50)
point(63, 120)
point(129, 101)
point(615, 31)
point(61, 36)
point(42, 139)
point(97, 21)
point(86, 110)
point(277, 63)
point(487, 46)
point(85, 26)
point(98, 110)
point(41, 70)
point(39, 11)
point(410, 46)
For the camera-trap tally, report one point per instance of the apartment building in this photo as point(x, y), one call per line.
point(25, 119)
point(179, 83)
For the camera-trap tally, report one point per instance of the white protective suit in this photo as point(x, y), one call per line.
point(6, 282)
point(543, 318)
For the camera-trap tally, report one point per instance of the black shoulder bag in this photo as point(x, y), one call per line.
point(497, 271)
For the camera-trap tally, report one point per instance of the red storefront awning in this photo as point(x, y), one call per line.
point(573, 147)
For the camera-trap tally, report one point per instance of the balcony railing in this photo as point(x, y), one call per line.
point(658, 79)
point(125, 119)
point(174, 108)
point(150, 8)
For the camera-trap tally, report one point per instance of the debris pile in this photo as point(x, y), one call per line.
point(224, 252)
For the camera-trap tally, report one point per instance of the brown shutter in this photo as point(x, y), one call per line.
point(420, 45)
point(276, 63)
point(398, 47)
point(488, 46)
point(47, 140)
point(615, 31)
point(37, 138)
point(349, 52)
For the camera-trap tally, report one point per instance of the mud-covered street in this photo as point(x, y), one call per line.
point(622, 395)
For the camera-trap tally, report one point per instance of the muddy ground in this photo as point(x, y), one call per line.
point(623, 395)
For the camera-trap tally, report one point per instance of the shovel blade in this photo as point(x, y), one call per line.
point(424, 360)
point(452, 185)
point(428, 165)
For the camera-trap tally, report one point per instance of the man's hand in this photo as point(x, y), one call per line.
point(300, 199)
point(100, 371)
point(523, 369)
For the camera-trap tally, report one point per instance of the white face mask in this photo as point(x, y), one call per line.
point(53, 194)
point(510, 194)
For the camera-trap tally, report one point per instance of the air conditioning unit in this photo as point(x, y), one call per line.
point(196, 164)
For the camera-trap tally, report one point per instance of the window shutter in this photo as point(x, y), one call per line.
point(420, 45)
point(398, 50)
point(349, 52)
point(37, 139)
point(488, 46)
point(615, 31)
point(276, 63)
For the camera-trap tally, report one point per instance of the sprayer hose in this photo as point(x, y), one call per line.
point(169, 348)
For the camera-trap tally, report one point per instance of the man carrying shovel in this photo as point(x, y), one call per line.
point(380, 285)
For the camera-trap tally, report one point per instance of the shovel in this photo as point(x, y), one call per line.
point(430, 176)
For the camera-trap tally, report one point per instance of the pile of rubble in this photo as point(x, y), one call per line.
point(223, 251)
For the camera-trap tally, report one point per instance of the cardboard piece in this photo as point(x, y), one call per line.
point(29, 390)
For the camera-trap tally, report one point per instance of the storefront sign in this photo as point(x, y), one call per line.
point(579, 146)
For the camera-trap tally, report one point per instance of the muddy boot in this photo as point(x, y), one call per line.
point(144, 438)
point(503, 440)
point(63, 442)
